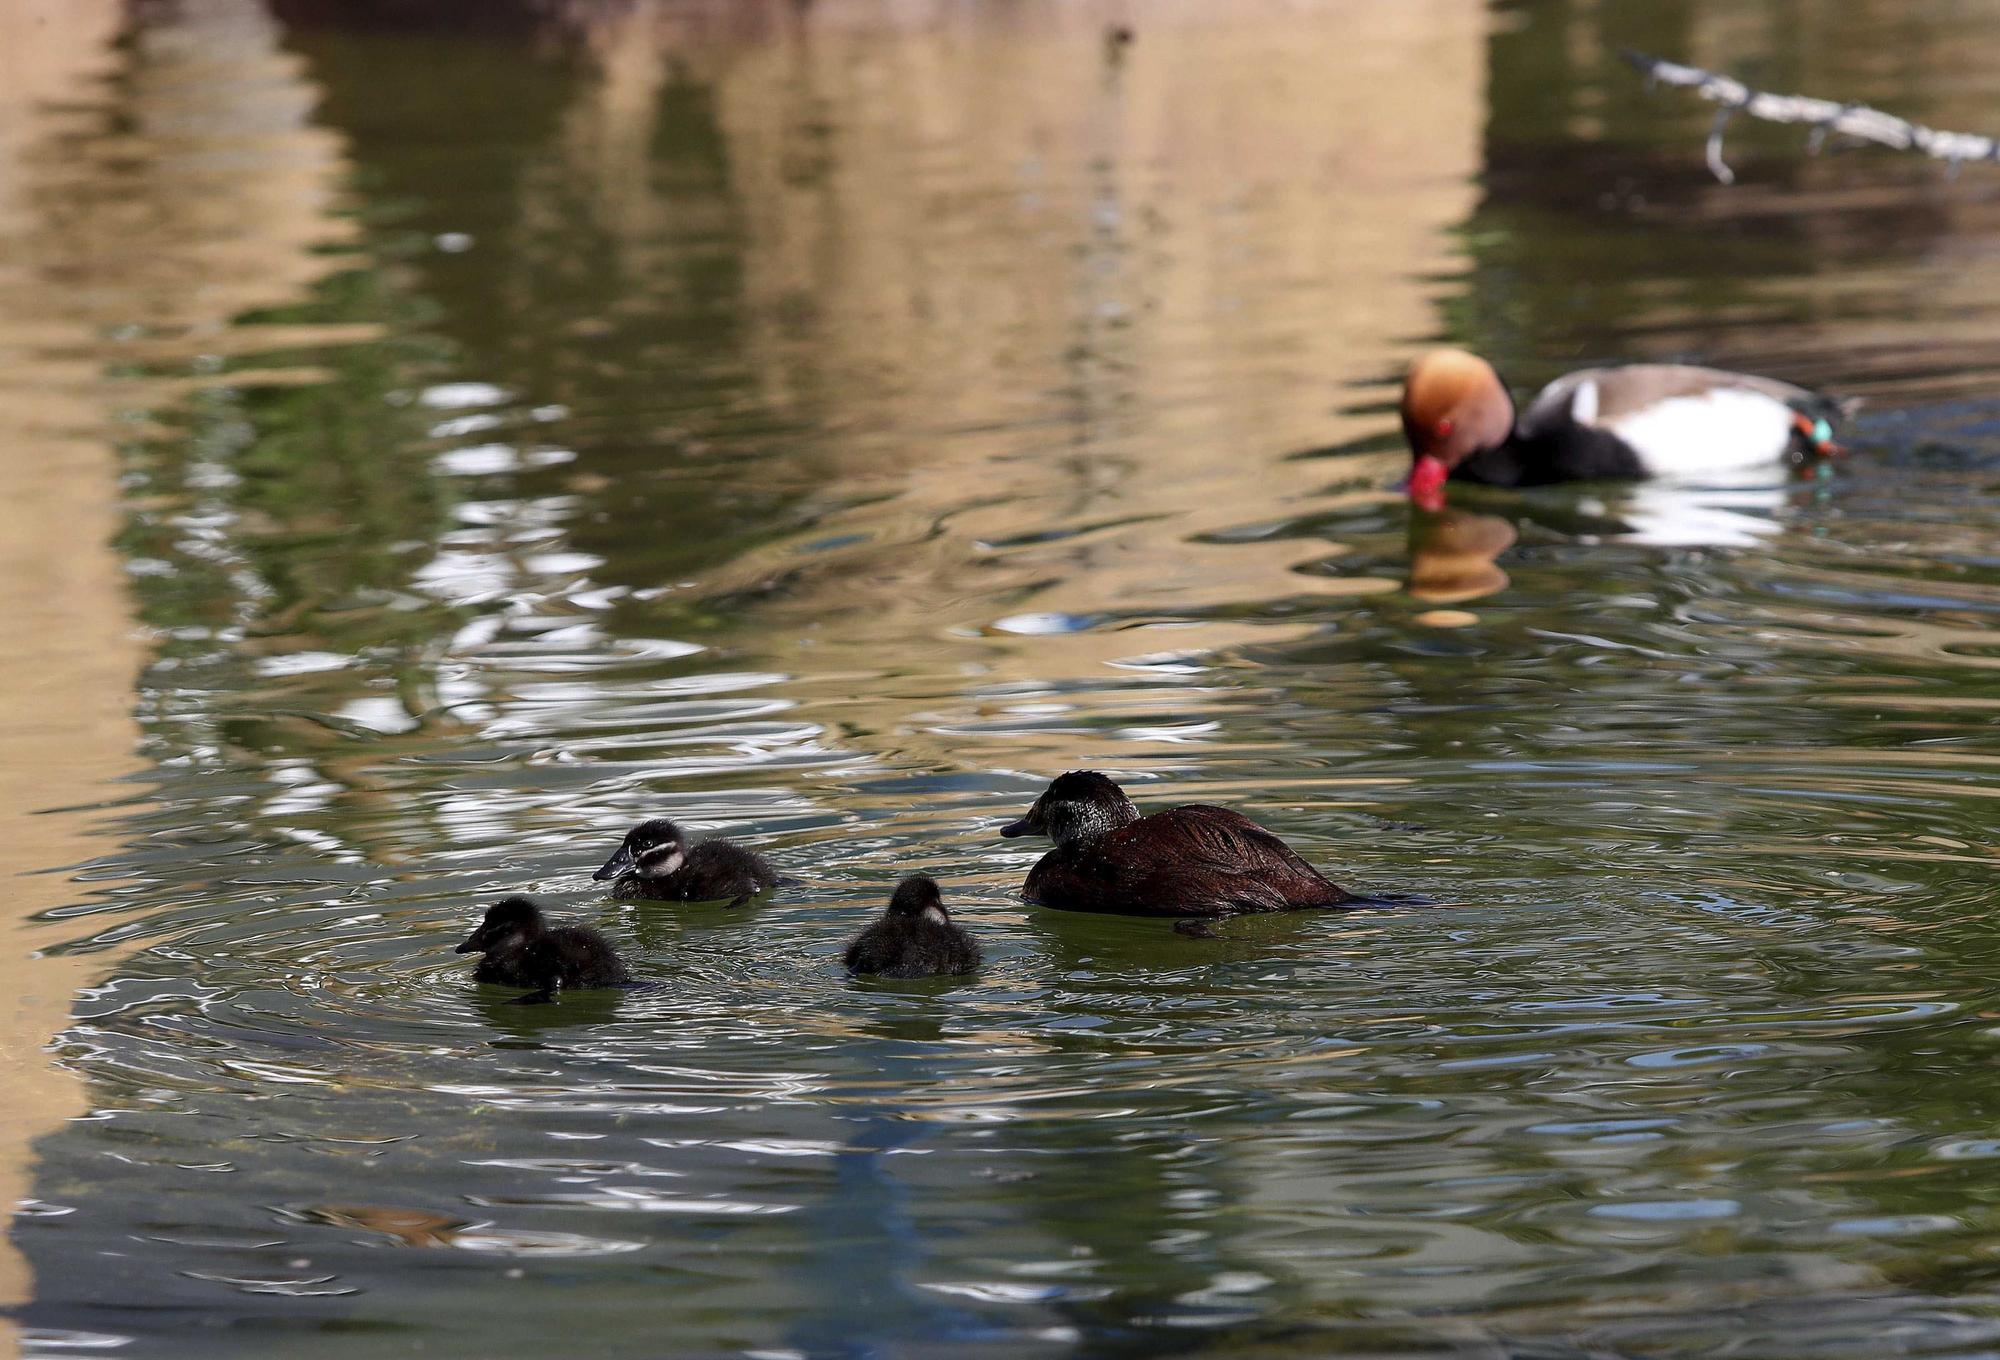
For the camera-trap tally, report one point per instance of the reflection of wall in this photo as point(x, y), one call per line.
point(66, 672)
point(1045, 300)
point(102, 227)
point(1002, 218)
point(1049, 322)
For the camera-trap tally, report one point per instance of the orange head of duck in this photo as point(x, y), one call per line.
point(1454, 405)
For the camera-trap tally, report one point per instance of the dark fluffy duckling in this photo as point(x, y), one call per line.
point(1194, 860)
point(521, 949)
point(1629, 422)
point(656, 862)
point(914, 938)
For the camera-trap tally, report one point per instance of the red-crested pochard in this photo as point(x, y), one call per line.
point(1629, 422)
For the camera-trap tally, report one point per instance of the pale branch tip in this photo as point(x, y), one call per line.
point(1823, 116)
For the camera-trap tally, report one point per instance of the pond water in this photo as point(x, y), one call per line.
point(824, 423)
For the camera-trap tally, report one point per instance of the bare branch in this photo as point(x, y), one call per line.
point(1822, 115)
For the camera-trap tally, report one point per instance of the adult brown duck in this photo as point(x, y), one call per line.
point(1187, 861)
point(1629, 422)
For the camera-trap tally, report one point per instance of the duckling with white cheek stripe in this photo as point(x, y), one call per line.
point(657, 863)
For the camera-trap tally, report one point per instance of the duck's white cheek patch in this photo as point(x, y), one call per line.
point(1716, 432)
point(936, 916)
point(660, 862)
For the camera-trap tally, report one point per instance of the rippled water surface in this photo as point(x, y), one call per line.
point(823, 423)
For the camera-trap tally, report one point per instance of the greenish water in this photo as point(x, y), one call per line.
point(822, 425)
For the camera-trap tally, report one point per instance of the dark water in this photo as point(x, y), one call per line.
point(822, 425)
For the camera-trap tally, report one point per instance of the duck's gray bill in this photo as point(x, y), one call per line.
point(619, 863)
point(1024, 827)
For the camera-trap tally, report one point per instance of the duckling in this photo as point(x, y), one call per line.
point(1193, 860)
point(914, 938)
point(656, 862)
point(1629, 422)
point(521, 949)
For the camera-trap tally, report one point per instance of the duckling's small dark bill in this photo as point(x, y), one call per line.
point(1025, 827)
point(621, 863)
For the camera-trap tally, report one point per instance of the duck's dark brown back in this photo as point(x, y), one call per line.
point(1195, 860)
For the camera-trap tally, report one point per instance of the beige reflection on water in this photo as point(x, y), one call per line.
point(66, 729)
point(149, 193)
point(1067, 308)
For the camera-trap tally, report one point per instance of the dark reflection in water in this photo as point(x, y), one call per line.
point(820, 424)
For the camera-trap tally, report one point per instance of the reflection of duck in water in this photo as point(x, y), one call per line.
point(1194, 860)
point(1628, 423)
point(1452, 555)
point(1725, 512)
